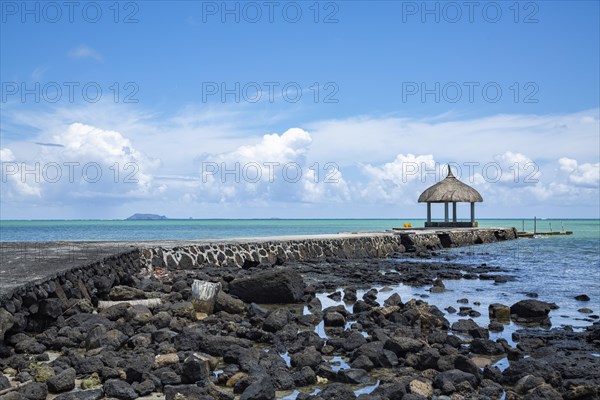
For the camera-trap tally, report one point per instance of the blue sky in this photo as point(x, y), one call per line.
point(510, 88)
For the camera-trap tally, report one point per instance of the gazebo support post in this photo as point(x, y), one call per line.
point(445, 212)
point(428, 212)
point(472, 212)
point(453, 211)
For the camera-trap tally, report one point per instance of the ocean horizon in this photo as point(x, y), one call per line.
point(190, 229)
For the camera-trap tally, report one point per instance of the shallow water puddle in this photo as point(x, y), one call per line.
point(502, 364)
point(286, 358)
point(361, 390)
point(367, 389)
point(338, 363)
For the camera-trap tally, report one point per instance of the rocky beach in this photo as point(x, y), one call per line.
point(323, 327)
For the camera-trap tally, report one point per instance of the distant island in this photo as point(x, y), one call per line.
point(137, 217)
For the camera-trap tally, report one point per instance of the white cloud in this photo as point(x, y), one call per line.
point(84, 51)
point(6, 155)
point(584, 175)
point(273, 169)
point(92, 163)
point(373, 155)
point(370, 139)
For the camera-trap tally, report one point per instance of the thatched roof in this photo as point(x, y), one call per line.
point(450, 190)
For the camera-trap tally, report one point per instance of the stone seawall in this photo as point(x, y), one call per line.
point(31, 304)
point(263, 252)
point(35, 304)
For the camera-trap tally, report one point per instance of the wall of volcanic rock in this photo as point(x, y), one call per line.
point(254, 253)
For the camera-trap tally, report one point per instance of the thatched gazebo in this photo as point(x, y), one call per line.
point(450, 190)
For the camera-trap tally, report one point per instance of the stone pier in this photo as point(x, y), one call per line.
point(37, 276)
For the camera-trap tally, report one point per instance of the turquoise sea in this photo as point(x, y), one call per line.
point(90, 230)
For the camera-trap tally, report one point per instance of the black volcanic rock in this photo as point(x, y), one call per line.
point(269, 287)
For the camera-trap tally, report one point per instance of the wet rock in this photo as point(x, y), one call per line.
point(217, 345)
point(353, 341)
point(195, 368)
point(585, 310)
point(119, 389)
point(527, 383)
point(305, 377)
point(229, 304)
point(465, 364)
point(393, 300)
point(185, 392)
point(276, 286)
point(50, 308)
point(62, 382)
point(122, 310)
point(392, 391)
point(34, 391)
point(350, 294)
point(167, 376)
point(450, 309)
point(362, 362)
point(499, 312)
point(360, 306)
point(262, 389)
point(486, 347)
point(371, 296)
point(465, 326)
point(333, 318)
point(448, 381)
point(118, 293)
point(4, 382)
point(144, 388)
point(496, 326)
point(6, 322)
point(276, 320)
point(254, 310)
point(183, 309)
point(582, 297)
point(95, 394)
point(13, 396)
point(30, 346)
point(403, 345)
point(375, 352)
point(581, 392)
point(337, 391)
point(309, 357)
point(463, 301)
point(314, 305)
point(335, 296)
point(353, 376)
point(534, 310)
point(543, 392)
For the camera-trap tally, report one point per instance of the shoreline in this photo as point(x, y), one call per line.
point(346, 332)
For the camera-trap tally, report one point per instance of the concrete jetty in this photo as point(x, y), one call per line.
point(43, 268)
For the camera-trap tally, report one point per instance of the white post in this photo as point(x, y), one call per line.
point(445, 212)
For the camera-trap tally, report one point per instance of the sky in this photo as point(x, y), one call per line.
point(283, 109)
